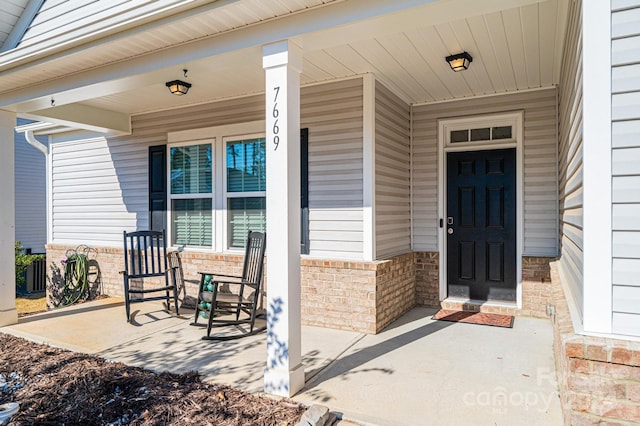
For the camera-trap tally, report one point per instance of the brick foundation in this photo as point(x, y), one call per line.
point(361, 296)
point(536, 286)
point(427, 266)
point(536, 292)
point(339, 294)
point(598, 378)
point(396, 289)
point(348, 295)
point(110, 262)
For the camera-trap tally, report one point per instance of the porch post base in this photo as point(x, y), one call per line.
point(8, 317)
point(282, 382)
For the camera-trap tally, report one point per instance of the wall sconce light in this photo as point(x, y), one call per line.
point(178, 87)
point(459, 61)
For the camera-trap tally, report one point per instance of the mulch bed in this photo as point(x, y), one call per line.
point(55, 386)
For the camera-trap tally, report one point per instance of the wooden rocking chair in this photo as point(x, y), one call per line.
point(216, 295)
point(145, 257)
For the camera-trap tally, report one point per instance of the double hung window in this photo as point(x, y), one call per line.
point(245, 188)
point(216, 185)
point(191, 192)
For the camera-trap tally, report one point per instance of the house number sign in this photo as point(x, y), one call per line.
point(276, 113)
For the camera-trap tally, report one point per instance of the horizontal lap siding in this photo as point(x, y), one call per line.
point(626, 166)
point(540, 159)
point(31, 195)
point(100, 186)
point(570, 159)
point(393, 177)
point(65, 16)
point(94, 197)
point(333, 114)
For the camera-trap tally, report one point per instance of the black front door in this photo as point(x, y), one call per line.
point(481, 225)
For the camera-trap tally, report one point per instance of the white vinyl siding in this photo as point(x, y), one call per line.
point(570, 159)
point(99, 189)
point(100, 186)
point(333, 114)
point(31, 193)
point(393, 176)
point(625, 28)
point(103, 183)
point(540, 159)
point(64, 21)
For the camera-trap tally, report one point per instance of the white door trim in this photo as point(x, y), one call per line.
point(444, 125)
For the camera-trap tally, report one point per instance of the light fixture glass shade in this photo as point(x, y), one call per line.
point(178, 87)
point(459, 61)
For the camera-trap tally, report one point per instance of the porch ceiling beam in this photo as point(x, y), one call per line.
point(334, 24)
point(85, 117)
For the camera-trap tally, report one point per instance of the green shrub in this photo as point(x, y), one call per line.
point(22, 261)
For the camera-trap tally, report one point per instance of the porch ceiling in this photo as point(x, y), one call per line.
point(513, 48)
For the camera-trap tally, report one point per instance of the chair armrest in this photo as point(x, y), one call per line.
point(220, 275)
point(216, 282)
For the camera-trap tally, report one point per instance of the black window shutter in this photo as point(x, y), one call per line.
point(304, 190)
point(158, 187)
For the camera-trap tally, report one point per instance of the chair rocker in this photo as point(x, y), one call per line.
point(145, 259)
point(216, 295)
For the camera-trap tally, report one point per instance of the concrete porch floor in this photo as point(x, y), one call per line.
point(416, 372)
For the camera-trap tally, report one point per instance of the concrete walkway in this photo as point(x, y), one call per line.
point(417, 372)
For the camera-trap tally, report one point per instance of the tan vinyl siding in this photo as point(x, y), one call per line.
point(333, 114)
point(625, 28)
point(31, 194)
point(540, 159)
point(393, 177)
point(570, 158)
point(103, 183)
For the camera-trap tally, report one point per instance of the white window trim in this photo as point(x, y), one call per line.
point(226, 195)
point(218, 134)
point(516, 118)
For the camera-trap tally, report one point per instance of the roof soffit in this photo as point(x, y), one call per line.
point(149, 51)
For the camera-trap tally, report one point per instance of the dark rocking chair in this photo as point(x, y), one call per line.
point(215, 295)
point(145, 257)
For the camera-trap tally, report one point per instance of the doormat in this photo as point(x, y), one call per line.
point(480, 318)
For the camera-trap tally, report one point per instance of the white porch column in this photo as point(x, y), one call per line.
point(8, 313)
point(282, 62)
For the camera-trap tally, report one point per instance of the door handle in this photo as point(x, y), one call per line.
point(450, 220)
point(449, 231)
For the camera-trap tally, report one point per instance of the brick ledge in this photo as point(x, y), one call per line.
point(598, 377)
